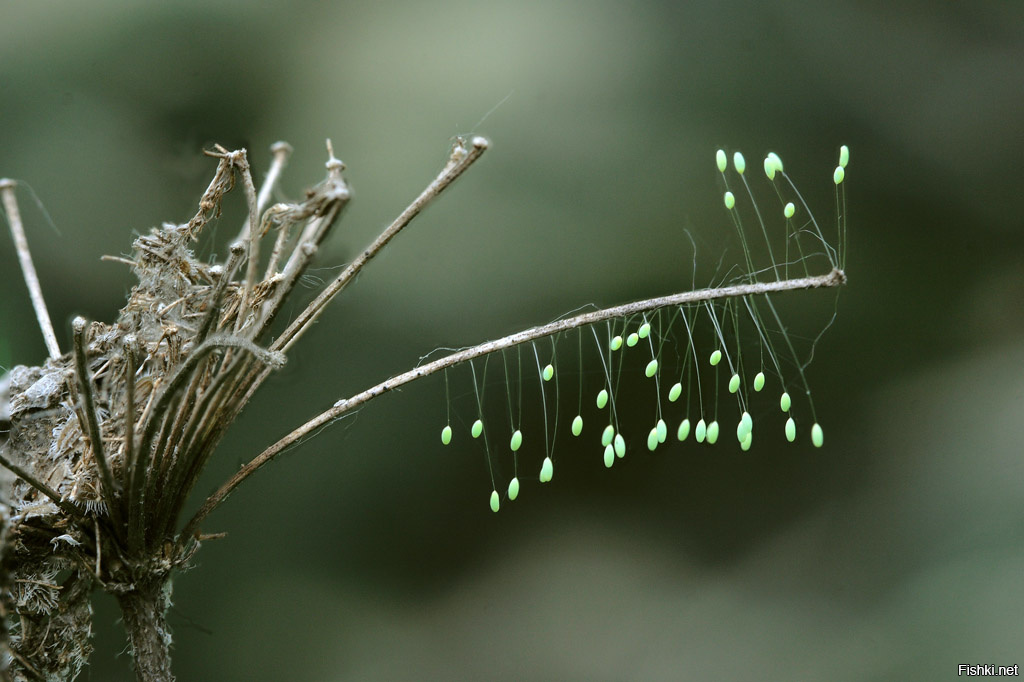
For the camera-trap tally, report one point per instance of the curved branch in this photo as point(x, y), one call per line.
point(833, 279)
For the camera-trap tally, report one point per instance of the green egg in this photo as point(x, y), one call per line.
point(602, 399)
point(632, 339)
point(607, 435)
point(662, 428)
point(609, 456)
point(577, 425)
point(549, 372)
point(701, 432)
point(790, 210)
point(844, 156)
point(652, 368)
point(513, 488)
point(730, 200)
point(720, 160)
point(776, 161)
point(785, 402)
point(739, 162)
point(446, 435)
point(790, 430)
point(478, 428)
point(652, 439)
point(747, 442)
point(817, 436)
point(759, 381)
point(744, 427)
point(619, 446)
point(616, 343)
point(675, 392)
point(644, 331)
point(769, 168)
point(684, 430)
point(734, 383)
point(517, 440)
point(547, 470)
point(838, 176)
point(495, 501)
point(716, 357)
point(712, 433)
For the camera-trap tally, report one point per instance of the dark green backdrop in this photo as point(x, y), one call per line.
point(369, 553)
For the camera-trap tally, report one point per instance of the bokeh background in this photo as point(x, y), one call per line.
point(895, 552)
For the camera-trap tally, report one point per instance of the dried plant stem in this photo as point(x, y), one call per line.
point(834, 278)
point(142, 610)
point(35, 292)
point(461, 159)
point(40, 486)
point(92, 423)
point(130, 354)
point(281, 151)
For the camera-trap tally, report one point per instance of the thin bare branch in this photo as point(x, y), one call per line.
point(27, 267)
point(461, 159)
point(834, 278)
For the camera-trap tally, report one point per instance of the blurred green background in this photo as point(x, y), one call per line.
point(370, 553)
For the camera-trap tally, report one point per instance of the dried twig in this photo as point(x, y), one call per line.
point(833, 279)
point(28, 269)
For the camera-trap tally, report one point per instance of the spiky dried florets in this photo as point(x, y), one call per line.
point(109, 439)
